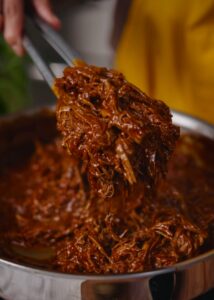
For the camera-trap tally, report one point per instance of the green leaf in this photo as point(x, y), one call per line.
point(13, 80)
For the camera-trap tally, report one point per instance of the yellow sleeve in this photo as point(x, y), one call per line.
point(167, 49)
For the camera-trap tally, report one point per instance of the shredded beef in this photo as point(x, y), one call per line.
point(120, 135)
point(53, 224)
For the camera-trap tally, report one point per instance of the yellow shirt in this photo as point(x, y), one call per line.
point(167, 49)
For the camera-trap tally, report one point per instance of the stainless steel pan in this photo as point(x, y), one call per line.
point(184, 280)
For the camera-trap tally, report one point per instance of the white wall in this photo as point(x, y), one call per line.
point(88, 27)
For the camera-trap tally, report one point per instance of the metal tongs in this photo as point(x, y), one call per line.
point(54, 40)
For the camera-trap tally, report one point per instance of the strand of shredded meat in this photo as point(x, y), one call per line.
point(121, 135)
point(48, 221)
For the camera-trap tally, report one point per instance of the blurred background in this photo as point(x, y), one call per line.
point(87, 26)
point(166, 50)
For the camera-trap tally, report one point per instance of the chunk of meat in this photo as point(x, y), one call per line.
point(121, 135)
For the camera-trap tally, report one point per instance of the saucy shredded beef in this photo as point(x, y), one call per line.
point(53, 207)
point(47, 220)
point(121, 136)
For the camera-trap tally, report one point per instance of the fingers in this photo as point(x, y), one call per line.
point(43, 9)
point(12, 18)
point(13, 24)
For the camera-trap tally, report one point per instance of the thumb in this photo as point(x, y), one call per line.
point(44, 10)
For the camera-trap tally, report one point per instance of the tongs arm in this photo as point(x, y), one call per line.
point(54, 40)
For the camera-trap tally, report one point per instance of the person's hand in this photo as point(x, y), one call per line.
point(12, 19)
